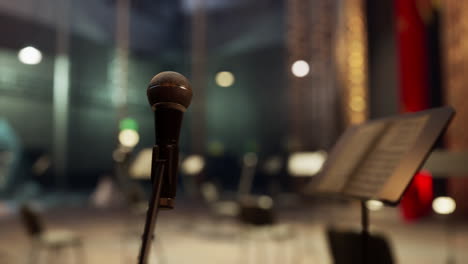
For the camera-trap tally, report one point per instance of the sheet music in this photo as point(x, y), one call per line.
point(359, 143)
point(381, 162)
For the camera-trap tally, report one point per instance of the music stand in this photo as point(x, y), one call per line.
point(378, 159)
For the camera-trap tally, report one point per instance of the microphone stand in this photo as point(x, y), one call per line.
point(157, 170)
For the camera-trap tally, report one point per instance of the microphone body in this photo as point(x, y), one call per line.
point(167, 149)
point(169, 94)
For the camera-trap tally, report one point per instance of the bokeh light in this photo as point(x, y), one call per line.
point(265, 202)
point(129, 138)
point(300, 68)
point(193, 165)
point(250, 159)
point(30, 55)
point(444, 205)
point(374, 205)
point(224, 79)
point(304, 164)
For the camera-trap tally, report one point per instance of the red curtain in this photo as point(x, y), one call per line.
point(414, 89)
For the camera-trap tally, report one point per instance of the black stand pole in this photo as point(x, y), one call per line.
point(364, 231)
point(152, 213)
point(449, 227)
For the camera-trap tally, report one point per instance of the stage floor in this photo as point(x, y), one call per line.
point(190, 234)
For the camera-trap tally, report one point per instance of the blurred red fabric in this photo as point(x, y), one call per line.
point(414, 90)
point(417, 201)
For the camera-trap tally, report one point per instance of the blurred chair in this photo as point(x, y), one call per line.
point(255, 213)
point(219, 208)
point(51, 241)
point(211, 186)
point(261, 227)
point(230, 208)
point(258, 218)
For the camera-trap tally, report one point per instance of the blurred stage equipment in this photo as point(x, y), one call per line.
point(53, 241)
point(377, 161)
point(192, 167)
point(128, 138)
point(250, 161)
point(169, 94)
point(230, 208)
point(141, 166)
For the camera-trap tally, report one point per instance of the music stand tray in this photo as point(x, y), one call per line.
point(378, 159)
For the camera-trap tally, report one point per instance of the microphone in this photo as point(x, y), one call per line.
point(169, 94)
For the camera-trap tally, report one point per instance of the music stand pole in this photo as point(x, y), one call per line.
point(449, 240)
point(364, 231)
point(152, 213)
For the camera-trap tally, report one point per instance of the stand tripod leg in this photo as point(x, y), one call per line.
point(151, 214)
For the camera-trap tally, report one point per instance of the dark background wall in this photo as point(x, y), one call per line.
point(383, 77)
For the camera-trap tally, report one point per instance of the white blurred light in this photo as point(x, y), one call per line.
point(30, 55)
point(444, 205)
point(305, 164)
point(224, 79)
point(265, 202)
point(209, 192)
point(300, 68)
point(250, 159)
point(193, 165)
point(272, 165)
point(374, 205)
point(129, 138)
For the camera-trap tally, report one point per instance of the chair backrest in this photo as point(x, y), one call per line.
point(31, 220)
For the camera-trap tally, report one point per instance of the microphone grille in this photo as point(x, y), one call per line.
point(169, 87)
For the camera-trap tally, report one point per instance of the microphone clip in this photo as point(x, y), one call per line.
point(165, 155)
